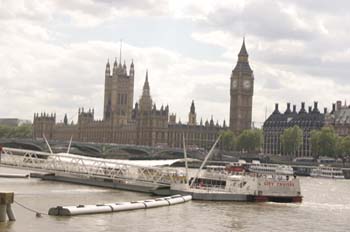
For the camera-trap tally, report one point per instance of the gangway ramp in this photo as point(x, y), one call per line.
point(92, 171)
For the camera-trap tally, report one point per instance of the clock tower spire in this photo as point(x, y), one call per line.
point(241, 90)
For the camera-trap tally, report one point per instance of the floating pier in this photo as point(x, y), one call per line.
point(119, 206)
point(10, 175)
point(91, 171)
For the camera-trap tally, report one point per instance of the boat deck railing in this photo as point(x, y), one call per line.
point(224, 175)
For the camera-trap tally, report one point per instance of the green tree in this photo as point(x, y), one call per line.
point(23, 131)
point(343, 147)
point(250, 140)
point(228, 140)
point(314, 137)
point(5, 131)
point(346, 145)
point(324, 142)
point(291, 139)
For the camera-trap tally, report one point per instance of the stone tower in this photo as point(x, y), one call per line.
point(119, 93)
point(151, 124)
point(146, 100)
point(192, 115)
point(43, 124)
point(242, 88)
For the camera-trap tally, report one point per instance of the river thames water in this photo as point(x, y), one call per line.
point(326, 207)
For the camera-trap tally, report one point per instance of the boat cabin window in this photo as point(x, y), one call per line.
point(203, 182)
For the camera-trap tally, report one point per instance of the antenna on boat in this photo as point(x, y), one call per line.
point(205, 160)
point(185, 156)
point(47, 143)
point(70, 143)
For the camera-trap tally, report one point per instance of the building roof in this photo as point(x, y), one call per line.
point(342, 115)
point(303, 119)
point(242, 65)
point(243, 51)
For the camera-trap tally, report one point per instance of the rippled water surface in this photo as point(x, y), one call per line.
point(326, 207)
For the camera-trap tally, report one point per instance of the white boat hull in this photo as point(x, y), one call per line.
point(211, 196)
point(327, 176)
point(327, 172)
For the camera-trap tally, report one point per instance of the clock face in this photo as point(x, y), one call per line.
point(246, 84)
point(234, 84)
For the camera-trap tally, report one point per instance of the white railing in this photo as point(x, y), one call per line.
point(86, 166)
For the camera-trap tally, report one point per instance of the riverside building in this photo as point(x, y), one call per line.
point(308, 120)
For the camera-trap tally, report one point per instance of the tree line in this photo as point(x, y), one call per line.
point(248, 141)
point(22, 131)
point(324, 142)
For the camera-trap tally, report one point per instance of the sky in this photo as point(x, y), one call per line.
point(53, 53)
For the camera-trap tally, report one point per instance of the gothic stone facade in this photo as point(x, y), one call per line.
point(242, 88)
point(144, 123)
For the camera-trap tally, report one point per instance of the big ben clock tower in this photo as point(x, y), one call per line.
point(242, 88)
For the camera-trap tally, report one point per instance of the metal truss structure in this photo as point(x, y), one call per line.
point(88, 167)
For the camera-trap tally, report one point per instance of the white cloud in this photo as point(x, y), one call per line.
point(62, 78)
point(299, 52)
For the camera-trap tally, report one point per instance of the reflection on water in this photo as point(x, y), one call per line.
point(326, 207)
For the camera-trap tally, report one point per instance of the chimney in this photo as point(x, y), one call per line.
point(276, 109)
point(294, 108)
point(333, 108)
point(338, 105)
point(310, 109)
point(315, 110)
point(302, 110)
point(325, 110)
point(288, 109)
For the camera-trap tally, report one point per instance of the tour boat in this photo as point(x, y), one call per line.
point(327, 172)
point(265, 168)
point(220, 184)
point(241, 187)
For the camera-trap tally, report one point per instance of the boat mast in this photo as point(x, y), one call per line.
point(185, 156)
point(70, 144)
point(47, 143)
point(205, 160)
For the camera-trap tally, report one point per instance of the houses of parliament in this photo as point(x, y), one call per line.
point(142, 122)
